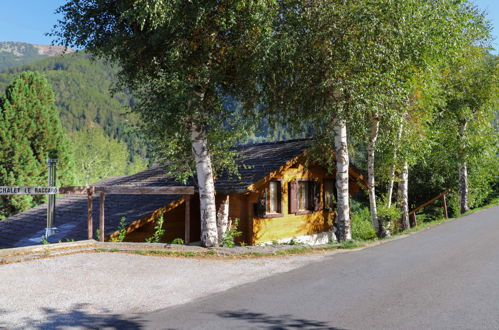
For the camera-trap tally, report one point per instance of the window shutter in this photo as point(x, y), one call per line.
point(279, 196)
point(316, 195)
point(293, 196)
point(261, 206)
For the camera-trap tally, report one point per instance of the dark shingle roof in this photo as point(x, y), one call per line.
point(27, 227)
point(259, 160)
point(255, 162)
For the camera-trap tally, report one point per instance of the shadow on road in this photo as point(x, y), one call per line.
point(79, 318)
point(265, 321)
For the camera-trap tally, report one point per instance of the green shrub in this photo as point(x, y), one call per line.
point(178, 240)
point(453, 204)
point(231, 235)
point(431, 213)
point(390, 216)
point(121, 231)
point(158, 231)
point(362, 228)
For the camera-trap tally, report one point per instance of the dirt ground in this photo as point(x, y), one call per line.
point(55, 289)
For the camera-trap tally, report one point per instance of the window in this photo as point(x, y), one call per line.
point(269, 203)
point(329, 195)
point(272, 198)
point(304, 196)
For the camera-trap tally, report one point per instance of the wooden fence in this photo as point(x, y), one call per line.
point(412, 214)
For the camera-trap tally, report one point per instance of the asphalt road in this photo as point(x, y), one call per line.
point(446, 277)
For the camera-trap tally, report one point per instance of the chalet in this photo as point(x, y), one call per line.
point(276, 197)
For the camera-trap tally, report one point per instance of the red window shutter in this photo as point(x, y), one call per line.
point(293, 196)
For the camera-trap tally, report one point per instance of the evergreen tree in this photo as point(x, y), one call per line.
point(30, 132)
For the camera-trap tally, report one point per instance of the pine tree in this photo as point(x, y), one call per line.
point(30, 132)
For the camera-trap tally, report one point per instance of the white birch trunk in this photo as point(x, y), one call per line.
point(392, 167)
point(342, 164)
point(371, 182)
point(463, 186)
point(223, 218)
point(463, 170)
point(403, 196)
point(209, 235)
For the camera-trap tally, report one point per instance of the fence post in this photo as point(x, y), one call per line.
point(446, 214)
point(90, 220)
point(102, 198)
point(187, 229)
point(413, 220)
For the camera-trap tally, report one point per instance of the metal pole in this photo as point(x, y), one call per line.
point(50, 230)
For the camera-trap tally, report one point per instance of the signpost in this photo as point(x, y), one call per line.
point(52, 163)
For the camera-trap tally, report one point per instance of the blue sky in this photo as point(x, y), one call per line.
point(29, 20)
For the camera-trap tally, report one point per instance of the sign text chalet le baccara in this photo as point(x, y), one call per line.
point(29, 190)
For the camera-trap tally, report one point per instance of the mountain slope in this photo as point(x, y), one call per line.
point(19, 53)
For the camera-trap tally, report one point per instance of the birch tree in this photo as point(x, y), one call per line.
point(336, 62)
point(472, 85)
point(306, 80)
point(434, 33)
point(177, 58)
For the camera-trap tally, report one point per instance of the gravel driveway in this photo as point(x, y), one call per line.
point(60, 292)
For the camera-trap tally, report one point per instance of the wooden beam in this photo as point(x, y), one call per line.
point(102, 198)
point(76, 190)
point(136, 190)
point(187, 232)
point(116, 190)
point(90, 219)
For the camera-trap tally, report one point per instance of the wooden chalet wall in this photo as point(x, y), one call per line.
point(173, 224)
point(294, 225)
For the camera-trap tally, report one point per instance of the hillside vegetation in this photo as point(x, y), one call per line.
point(82, 94)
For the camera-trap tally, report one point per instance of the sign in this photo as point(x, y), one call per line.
point(29, 190)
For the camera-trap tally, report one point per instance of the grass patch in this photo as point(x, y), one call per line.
point(493, 202)
point(424, 225)
point(108, 250)
point(295, 250)
point(165, 253)
point(253, 254)
point(349, 245)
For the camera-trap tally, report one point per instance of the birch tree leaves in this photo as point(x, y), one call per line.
point(357, 68)
point(179, 59)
